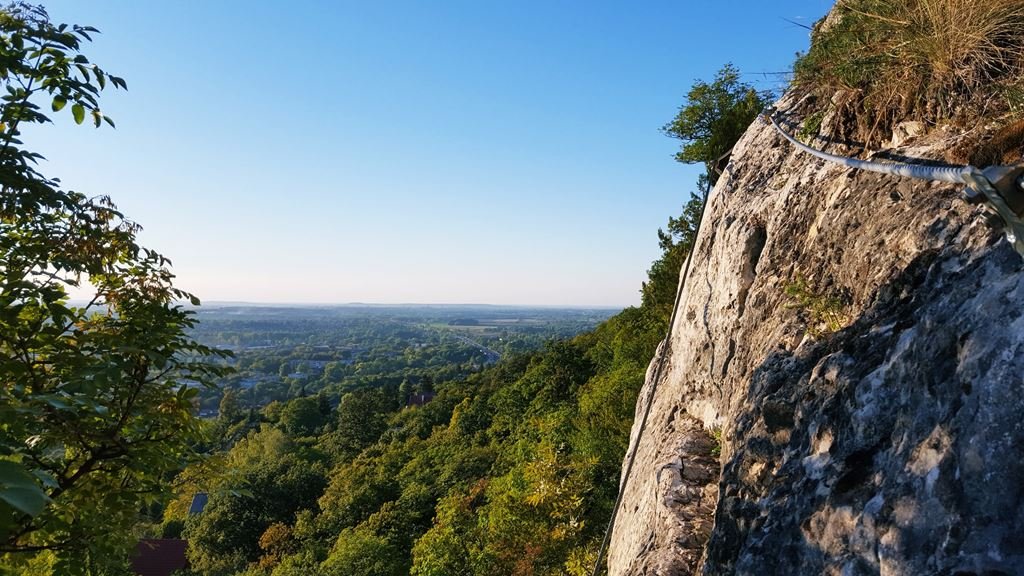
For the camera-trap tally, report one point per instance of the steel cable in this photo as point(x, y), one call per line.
point(951, 174)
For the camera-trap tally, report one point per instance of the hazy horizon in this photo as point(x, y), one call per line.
point(405, 152)
point(284, 304)
point(405, 305)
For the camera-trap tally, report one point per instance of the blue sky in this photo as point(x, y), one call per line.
point(430, 152)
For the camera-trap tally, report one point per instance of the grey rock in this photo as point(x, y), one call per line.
point(905, 132)
point(894, 445)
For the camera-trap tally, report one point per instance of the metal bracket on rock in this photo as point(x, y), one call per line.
point(1002, 189)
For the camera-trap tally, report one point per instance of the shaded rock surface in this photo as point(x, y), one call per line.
point(892, 443)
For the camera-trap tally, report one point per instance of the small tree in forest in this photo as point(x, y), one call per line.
point(658, 293)
point(96, 401)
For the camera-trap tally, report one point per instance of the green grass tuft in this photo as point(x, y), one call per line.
point(825, 312)
point(716, 436)
point(811, 127)
point(919, 59)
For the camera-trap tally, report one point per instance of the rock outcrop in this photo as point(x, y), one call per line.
point(856, 342)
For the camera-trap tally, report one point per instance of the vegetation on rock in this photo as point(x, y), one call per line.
point(918, 59)
point(824, 313)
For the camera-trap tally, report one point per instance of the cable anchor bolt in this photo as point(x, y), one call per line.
point(1002, 189)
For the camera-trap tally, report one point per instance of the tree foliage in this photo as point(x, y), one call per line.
point(95, 400)
point(714, 117)
point(302, 416)
point(659, 290)
point(359, 421)
point(359, 552)
point(272, 481)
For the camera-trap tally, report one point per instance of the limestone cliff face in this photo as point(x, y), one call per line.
point(893, 445)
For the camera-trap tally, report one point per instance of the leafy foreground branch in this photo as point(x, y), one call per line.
point(95, 400)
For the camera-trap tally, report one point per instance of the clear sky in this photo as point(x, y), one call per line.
point(396, 152)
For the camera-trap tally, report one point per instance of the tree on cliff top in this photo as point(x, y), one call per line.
point(714, 117)
point(95, 401)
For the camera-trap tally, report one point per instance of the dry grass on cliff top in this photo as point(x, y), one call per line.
point(920, 59)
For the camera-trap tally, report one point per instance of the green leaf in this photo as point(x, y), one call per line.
point(20, 490)
point(58, 403)
point(46, 478)
point(13, 474)
point(31, 501)
point(78, 111)
point(58, 103)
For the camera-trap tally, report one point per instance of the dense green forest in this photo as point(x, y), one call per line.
point(510, 470)
point(316, 461)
